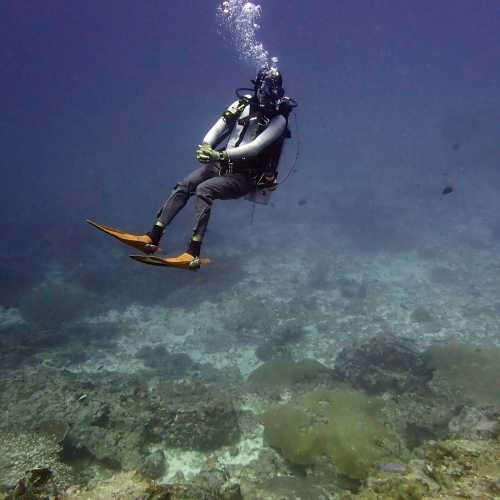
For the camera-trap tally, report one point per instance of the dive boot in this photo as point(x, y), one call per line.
point(141, 242)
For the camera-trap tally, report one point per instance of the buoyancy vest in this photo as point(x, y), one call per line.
point(245, 121)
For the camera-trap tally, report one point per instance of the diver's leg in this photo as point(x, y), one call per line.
point(218, 188)
point(178, 199)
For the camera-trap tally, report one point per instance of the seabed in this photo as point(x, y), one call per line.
point(166, 398)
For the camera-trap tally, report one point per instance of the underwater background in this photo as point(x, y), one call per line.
point(345, 340)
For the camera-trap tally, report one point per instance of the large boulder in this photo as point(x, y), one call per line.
point(383, 363)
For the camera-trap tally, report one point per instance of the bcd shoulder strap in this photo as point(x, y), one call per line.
point(231, 116)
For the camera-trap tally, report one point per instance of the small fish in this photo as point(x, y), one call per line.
point(447, 189)
point(302, 202)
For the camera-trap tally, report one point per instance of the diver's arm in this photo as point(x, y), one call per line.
point(273, 132)
point(219, 127)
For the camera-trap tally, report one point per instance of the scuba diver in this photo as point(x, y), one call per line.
point(239, 157)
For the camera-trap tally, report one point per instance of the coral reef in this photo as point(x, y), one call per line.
point(421, 402)
point(281, 487)
point(473, 370)
point(24, 453)
point(383, 363)
point(286, 373)
point(421, 315)
point(476, 423)
point(446, 469)
point(193, 417)
point(255, 321)
point(158, 358)
point(321, 444)
point(177, 418)
point(351, 289)
point(121, 486)
point(441, 469)
point(270, 349)
point(420, 416)
point(129, 485)
point(116, 418)
point(277, 342)
point(25, 345)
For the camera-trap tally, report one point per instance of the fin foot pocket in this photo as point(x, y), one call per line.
point(141, 242)
point(183, 261)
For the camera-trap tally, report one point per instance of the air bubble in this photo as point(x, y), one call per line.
point(238, 20)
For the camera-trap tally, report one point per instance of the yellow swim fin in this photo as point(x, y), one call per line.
point(141, 242)
point(183, 261)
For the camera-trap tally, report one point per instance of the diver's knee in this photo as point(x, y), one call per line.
point(203, 192)
point(182, 187)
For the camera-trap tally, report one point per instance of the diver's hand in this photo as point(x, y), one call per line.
point(205, 154)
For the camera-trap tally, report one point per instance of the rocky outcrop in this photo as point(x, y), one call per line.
point(27, 458)
point(193, 417)
point(116, 419)
point(383, 363)
point(476, 423)
point(446, 469)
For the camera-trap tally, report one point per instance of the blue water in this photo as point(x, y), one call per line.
point(103, 105)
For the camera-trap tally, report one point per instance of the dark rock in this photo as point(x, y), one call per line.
point(383, 363)
point(470, 370)
point(276, 344)
point(352, 289)
point(494, 487)
point(158, 358)
point(154, 466)
point(287, 373)
point(475, 423)
point(424, 414)
point(444, 276)
point(421, 315)
point(203, 425)
point(270, 350)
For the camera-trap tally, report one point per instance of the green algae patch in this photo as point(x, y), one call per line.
point(474, 370)
point(285, 372)
point(341, 425)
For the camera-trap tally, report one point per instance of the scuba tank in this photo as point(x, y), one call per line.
point(267, 181)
